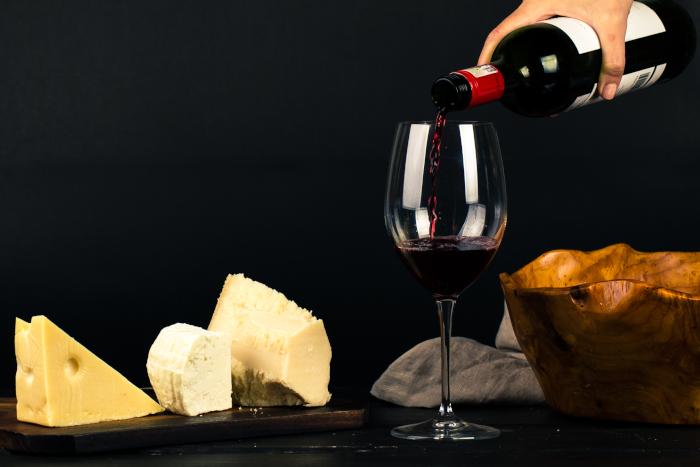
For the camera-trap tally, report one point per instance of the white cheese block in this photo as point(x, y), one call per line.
point(61, 383)
point(189, 369)
point(280, 352)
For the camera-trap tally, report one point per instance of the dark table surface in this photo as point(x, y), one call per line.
point(531, 436)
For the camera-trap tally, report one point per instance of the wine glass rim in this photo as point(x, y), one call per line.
point(447, 123)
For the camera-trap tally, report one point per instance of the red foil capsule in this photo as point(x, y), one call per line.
point(487, 83)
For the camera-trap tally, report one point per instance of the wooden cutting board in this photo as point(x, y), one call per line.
point(167, 428)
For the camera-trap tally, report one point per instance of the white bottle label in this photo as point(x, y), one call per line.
point(641, 22)
point(630, 82)
point(483, 70)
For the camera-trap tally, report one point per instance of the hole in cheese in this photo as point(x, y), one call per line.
point(72, 367)
point(26, 371)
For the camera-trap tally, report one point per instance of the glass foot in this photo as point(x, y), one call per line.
point(445, 429)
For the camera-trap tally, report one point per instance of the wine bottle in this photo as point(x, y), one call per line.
point(554, 65)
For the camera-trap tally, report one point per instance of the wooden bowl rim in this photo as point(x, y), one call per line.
point(507, 282)
point(507, 279)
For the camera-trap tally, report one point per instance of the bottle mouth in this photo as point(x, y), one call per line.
point(451, 92)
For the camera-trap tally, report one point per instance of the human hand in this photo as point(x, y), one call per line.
point(607, 17)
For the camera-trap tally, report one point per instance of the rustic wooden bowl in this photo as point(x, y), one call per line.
point(612, 333)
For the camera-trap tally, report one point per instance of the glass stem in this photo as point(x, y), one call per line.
point(445, 308)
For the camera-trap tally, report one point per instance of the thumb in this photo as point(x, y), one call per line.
point(612, 44)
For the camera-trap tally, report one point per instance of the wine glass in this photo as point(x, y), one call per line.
point(465, 188)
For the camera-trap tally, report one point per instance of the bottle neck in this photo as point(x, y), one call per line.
point(468, 88)
point(486, 83)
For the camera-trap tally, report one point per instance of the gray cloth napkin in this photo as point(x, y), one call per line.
point(479, 374)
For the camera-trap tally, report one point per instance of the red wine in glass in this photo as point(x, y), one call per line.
point(446, 266)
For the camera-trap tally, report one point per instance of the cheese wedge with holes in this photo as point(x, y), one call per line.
point(190, 369)
point(280, 354)
point(61, 383)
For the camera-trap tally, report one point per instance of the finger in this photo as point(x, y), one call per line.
point(519, 18)
point(612, 44)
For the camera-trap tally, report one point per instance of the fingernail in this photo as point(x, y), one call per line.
point(609, 91)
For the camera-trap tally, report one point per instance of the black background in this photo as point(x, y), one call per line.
point(149, 148)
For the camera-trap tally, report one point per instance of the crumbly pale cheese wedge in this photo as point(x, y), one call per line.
point(190, 369)
point(280, 352)
point(61, 383)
